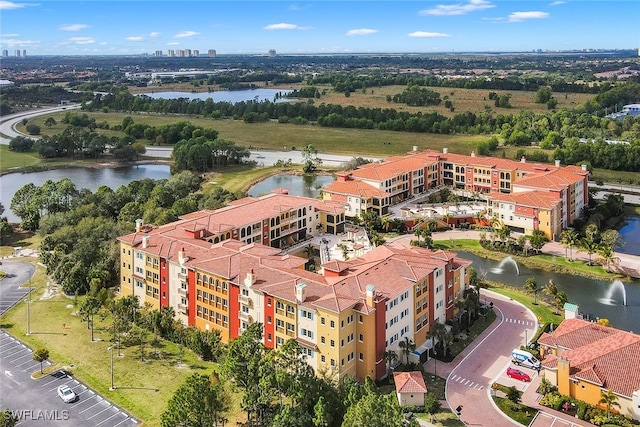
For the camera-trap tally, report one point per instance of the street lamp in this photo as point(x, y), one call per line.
point(435, 364)
point(113, 387)
point(29, 310)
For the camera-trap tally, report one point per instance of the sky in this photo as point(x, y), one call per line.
point(117, 27)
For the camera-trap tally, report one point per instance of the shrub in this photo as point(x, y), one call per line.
point(33, 129)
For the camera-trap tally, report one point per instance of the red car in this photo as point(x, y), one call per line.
point(517, 374)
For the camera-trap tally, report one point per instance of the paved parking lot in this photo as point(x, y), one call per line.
point(36, 402)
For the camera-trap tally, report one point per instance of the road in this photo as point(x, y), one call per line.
point(36, 402)
point(8, 122)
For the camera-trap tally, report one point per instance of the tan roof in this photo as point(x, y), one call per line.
point(390, 167)
point(409, 382)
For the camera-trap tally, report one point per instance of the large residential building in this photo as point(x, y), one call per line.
point(525, 196)
point(219, 272)
point(583, 358)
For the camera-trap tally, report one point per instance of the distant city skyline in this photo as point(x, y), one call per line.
point(322, 27)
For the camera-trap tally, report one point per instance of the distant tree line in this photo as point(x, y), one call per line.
point(28, 95)
point(80, 227)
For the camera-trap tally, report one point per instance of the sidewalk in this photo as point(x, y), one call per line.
point(531, 398)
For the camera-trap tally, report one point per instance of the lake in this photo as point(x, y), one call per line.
point(231, 96)
point(598, 298)
point(298, 185)
point(629, 233)
point(83, 178)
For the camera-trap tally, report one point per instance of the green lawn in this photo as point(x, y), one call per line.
point(143, 388)
point(10, 159)
point(520, 413)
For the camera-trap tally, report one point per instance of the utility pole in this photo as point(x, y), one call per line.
point(113, 387)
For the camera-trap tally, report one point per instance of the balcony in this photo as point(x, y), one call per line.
point(245, 316)
point(183, 308)
point(183, 292)
point(182, 276)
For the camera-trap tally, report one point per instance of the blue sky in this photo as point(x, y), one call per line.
point(300, 27)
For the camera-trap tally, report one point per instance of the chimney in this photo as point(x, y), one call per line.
point(473, 153)
point(301, 293)
point(445, 150)
point(371, 294)
point(557, 163)
point(523, 159)
point(145, 242)
point(138, 225)
point(415, 148)
point(250, 279)
point(182, 256)
point(584, 168)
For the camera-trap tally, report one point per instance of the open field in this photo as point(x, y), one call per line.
point(474, 100)
point(143, 388)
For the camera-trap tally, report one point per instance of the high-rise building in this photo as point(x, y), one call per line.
point(196, 53)
point(272, 53)
point(187, 53)
point(171, 53)
point(17, 53)
point(5, 53)
point(212, 53)
point(24, 53)
point(158, 53)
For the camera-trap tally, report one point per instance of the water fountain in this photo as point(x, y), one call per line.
point(506, 260)
point(616, 285)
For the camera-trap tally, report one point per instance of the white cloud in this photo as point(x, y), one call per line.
point(9, 5)
point(9, 36)
point(458, 8)
point(185, 34)
point(173, 44)
point(82, 40)
point(73, 27)
point(557, 3)
point(361, 32)
point(427, 34)
point(283, 26)
point(135, 38)
point(154, 34)
point(12, 43)
point(523, 16)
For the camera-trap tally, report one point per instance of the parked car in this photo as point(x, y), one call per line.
point(66, 394)
point(524, 358)
point(517, 374)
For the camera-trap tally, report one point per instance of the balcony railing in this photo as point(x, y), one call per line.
point(245, 316)
point(183, 308)
point(183, 292)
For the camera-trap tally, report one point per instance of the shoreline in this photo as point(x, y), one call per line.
point(97, 165)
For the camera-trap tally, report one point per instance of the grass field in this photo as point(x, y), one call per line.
point(474, 100)
point(143, 388)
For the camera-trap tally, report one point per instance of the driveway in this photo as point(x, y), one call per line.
point(471, 373)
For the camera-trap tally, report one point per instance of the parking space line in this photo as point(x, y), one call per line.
point(84, 410)
point(50, 382)
point(107, 419)
point(98, 413)
point(18, 358)
point(125, 420)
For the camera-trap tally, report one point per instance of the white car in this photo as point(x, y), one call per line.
point(66, 394)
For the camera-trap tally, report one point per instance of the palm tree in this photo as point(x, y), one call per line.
point(309, 251)
point(609, 399)
point(589, 246)
point(407, 347)
point(390, 357)
point(531, 286)
point(606, 254)
point(569, 238)
point(550, 288)
point(559, 300)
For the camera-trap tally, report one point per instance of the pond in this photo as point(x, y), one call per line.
point(298, 185)
point(629, 233)
point(231, 96)
point(89, 178)
point(597, 298)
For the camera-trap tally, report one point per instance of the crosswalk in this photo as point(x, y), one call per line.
point(519, 322)
point(466, 382)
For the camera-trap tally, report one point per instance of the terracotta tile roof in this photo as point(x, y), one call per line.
point(555, 179)
point(603, 355)
point(354, 187)
point(488, 162)
point(390, 167)
point(409, 382)
point(533, 199)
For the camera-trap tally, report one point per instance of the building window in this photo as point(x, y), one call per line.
point(323, 340)
point(323, 359)
point(333, 343)
point(361, 357)
point(332, 324)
